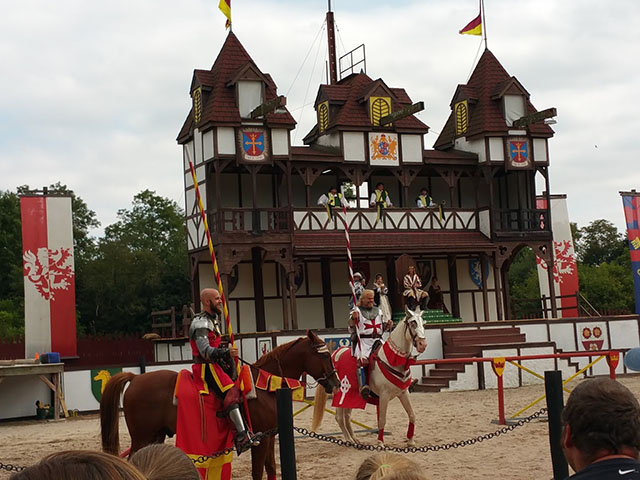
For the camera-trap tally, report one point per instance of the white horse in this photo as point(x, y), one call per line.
point(395, 358)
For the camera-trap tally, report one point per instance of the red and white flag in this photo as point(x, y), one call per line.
point(49, 277)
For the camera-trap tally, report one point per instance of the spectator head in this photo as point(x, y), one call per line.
point(357, 277)
point(601, 418)
point(424, 191)
point(379, 277)
point(388, 466)
point(434, 281)
point(79, 464)
point(380, 186)
point(164, 462)
point(333, 190)
point(412, 269)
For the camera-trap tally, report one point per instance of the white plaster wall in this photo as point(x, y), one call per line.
point(475, 146)
point(329, 140)
point(496, 149)
point(411, 148)
point(226, 141)
point(467, 380)
point(538, 366)
point(187, 154)
point(247, 311)
point(310, 313)
point(534, 332)
point(624, 333)
point(197, 137)
point(273, 314)
point(353, 146)
point(280, 141)
point(510, 374)
point(207, 144)
point(540, 149)
point(18, 396)
point(562, 334)
point(485, 222)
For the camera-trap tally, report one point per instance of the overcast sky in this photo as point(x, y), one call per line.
point(93, 93)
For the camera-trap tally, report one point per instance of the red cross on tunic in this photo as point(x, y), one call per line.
point(374, 326)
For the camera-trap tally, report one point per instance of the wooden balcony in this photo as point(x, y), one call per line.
point(520, 222)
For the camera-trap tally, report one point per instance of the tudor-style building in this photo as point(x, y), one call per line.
point(283, 260)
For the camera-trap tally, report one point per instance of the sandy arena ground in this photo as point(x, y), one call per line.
point(442, 418)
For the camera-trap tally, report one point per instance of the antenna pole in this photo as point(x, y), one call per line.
point(331, 37)
point(484, 24)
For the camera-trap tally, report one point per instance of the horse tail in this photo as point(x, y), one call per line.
point(109, 412)
point(318, 408)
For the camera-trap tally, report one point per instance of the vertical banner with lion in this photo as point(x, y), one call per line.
point(565, 268)
point(49, 277)
point(631, 204)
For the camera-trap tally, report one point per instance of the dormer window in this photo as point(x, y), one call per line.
point(197, 105)
point(249, 96)
point(461, 111)
point(378, 108)
point(323, 116)
point(513, 108)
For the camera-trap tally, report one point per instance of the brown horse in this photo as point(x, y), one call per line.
point(151, 415)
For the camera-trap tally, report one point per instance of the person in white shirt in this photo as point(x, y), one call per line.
point(331, 200)
point(424, 200)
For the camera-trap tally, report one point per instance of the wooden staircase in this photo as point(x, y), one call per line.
point(466, 343)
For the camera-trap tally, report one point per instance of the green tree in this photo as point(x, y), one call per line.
point(608, 286)
point(599, 242)
point(524, 288)
point(11, 287)
point(140, 266)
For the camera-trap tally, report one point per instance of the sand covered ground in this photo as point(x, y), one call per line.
point(442, 418)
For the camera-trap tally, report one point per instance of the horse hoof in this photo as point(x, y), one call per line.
point(381, 443)
point(411, 442)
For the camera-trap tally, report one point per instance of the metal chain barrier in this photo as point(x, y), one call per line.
point(358, 446)
point(11, 468)
point(425, 448)
point(258, 438)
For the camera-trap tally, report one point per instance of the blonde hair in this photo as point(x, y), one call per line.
point(164, 462)
point(75, 464)
point(388, 466)
point(365, 292)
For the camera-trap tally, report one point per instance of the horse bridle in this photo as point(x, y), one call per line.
point(407, 327)
point(324, 380)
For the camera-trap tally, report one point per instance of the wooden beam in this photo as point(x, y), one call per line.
point(535, 117)
point(405, 112)
point(269, 106)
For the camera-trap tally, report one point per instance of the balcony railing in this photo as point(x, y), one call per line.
point(314, 219)
point(271, 220)
point(524, 220)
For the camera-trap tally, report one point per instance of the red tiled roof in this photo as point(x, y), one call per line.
point(351, 112)
point(485, 115)
point(219, 103)
point(390, 241)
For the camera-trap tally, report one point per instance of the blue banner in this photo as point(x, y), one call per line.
point(631, 204)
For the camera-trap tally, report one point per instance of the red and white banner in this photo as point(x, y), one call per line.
point(565, 269)
point(49, 277)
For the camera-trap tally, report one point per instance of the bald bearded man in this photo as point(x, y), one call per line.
point(218, 364)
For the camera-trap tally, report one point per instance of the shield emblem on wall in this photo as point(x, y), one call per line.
point(475, 271)
point(519, 155)
point(99, 379)
point(253, 144)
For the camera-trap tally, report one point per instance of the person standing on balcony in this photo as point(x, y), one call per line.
point(413, 293)
point(424, 200)
point(330, 200)
point(380, 199)
point(436, 298)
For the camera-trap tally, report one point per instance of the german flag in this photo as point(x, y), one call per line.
point(474, 27)
point(225, 7)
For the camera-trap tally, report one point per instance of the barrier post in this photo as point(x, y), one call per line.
point(497, 364)
point(612, 360)
point(555, 404)
point(285, 433)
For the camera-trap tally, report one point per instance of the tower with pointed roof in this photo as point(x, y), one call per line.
point(283, 256)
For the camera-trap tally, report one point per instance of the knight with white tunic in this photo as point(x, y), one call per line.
point(366, 321)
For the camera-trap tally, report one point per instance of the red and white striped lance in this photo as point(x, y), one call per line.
point(350, 261)
point(203, 215)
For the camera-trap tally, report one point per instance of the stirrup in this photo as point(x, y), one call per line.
point(365, 391)
point(242, 442)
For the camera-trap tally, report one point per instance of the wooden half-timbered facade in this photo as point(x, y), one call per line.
point(283, 260)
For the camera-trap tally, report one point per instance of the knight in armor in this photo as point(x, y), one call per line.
point(367, 325)
point(413, 293)
point(216, 365)
point(331, 200)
